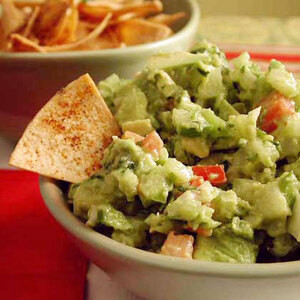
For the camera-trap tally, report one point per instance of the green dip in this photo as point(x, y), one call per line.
point(207, 113)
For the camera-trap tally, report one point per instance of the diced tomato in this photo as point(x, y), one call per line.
point(201, 231)
point(274, 108)
point(180, 245)
point(215, 174)
point(132, 136)
point(204, 232)
point(152, 142)
point(197, 181)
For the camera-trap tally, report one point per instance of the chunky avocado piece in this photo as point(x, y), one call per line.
point(244, 76)
point(191, 77)
point(189, 207)
point(224, 109)
point(166, 121)
point(238, 129)
point(198, 146)
point(281, 80)
point(225, 246)
point(246, 83)
point(191, 120)
point(198, 72)
point(109, 89)
point(127, 182)
point(227, 205)
point(214, 56)
point(131, 104)
point(256, 159)
point(161, 223)
point(177, 172)
point(270, 207)
point(141, 127)
point(135, 237)
point(240, 108)
point(289, 185)
point(242, 228)
point(189, 123)
point(154, 186)
point(293, 226)
point(107, 215)
point(163, 156)
point(125, 154)
point(94, 191)
point(162, 93)
point(211, 86)
point(288, 136)
point(183, 151)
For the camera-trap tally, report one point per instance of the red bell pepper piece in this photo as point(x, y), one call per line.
point(274, 108)
point(215, 174)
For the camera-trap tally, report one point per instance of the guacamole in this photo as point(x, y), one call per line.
point(208, 164)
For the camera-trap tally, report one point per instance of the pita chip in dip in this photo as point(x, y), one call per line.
point(67, 137)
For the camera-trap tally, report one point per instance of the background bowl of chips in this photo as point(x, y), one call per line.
point(28, 79)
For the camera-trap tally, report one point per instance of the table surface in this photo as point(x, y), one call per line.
point(100, 286)
point(251, 30)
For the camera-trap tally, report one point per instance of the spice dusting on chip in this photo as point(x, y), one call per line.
point(66, 139)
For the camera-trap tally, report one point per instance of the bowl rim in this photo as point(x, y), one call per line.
point(190, 26)
point(54, 200)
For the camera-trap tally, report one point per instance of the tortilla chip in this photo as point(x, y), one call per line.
point(139, 31)
point(115, 4)
point(107, 40)
point(65, 31)
point(67, 137)
point(142, 10)
point(31, 21)
point(28, 3)
point(66, 25)
point(3, 39)
point(93, 10)
point(107, 4)
point(91, 36)
point(123, 18)
point(84, 28)
point(52, 11)
point(167, 19)
point(20, 43)
point(111, 34)
point(12, 18)
point(126, 17)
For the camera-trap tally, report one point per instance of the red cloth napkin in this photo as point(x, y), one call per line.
point(37, 261)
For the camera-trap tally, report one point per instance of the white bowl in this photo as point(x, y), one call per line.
point(157, 277)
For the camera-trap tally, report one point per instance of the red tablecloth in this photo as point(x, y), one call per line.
point(37, 261)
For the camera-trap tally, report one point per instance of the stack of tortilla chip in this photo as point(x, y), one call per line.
point(67, 25)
